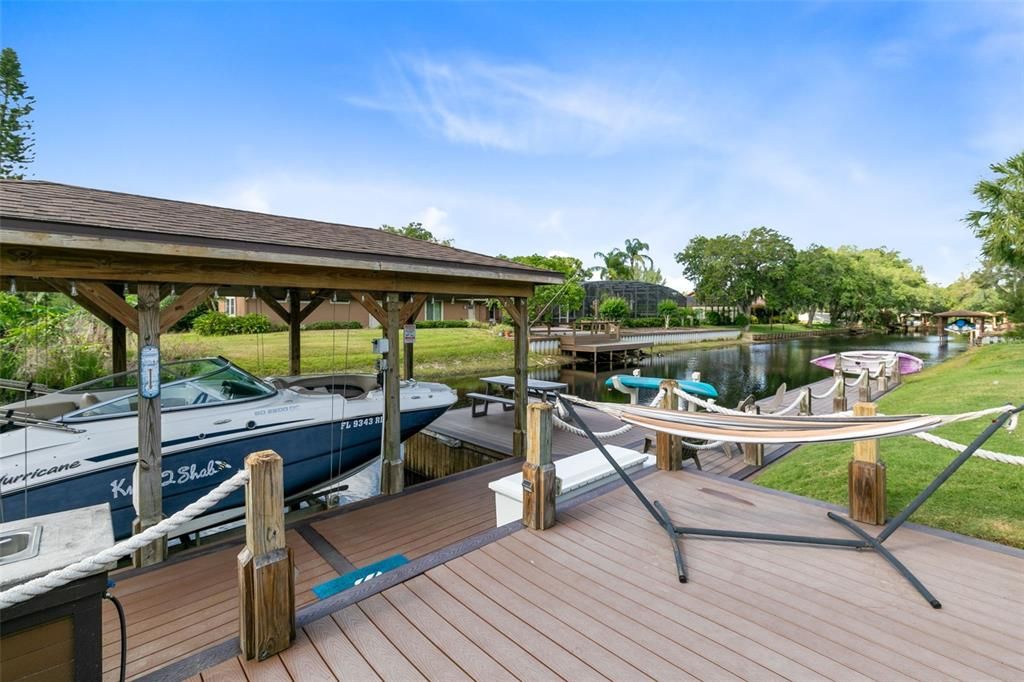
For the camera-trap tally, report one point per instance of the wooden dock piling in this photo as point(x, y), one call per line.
point(266, 576)
point(866, 476)
point(668, 450)
point(538, 472)
point(753, 453)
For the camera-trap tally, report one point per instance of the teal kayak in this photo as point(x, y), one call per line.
point(697, 388)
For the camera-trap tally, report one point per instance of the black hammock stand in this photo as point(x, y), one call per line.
point(865, 540)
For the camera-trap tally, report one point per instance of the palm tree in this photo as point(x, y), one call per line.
point(615, 264)
point(638, 260)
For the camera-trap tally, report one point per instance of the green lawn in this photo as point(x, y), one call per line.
point(438, 352)
point(984, 499)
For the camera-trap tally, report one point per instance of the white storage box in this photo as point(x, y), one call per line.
point(578, 474)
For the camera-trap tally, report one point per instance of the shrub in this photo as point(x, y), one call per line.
point(215, 323)
point(713, 317)
point(332, 324)
point(57, 348)
point(614, 308)
point(442, 324)
point(634, 322)
point(668, 308)
point(186, 322)
point(740, 320)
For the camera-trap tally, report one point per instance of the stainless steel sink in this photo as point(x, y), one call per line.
point(19, 543)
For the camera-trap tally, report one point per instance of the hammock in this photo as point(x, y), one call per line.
point(767, 429)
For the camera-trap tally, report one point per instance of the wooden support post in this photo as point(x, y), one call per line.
point(897, 376)
point(839, 397)
point(864, 389)
point(408, 314)
point(266, 576)
point(866, 476)
point(118, 347)
point(753, 453)
point(522, 359)
point(294, 332)
point(392, 473)
point(806, 404)
point(538, 471)
point(668, 448)
point(883, 378)
point(146, 488)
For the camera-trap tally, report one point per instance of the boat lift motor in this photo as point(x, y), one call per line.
point(381, 347)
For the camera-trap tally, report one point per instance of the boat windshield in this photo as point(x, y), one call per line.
point(188, 383)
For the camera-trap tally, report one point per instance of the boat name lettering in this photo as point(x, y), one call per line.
point(275, 410)
point(366, 421)
point(38, 473)
point(122, 488)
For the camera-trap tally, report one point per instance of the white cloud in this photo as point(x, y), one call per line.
point(436, 220)
point(523, 107)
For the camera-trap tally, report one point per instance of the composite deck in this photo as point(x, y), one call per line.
point(174, 610)
point(596, 597)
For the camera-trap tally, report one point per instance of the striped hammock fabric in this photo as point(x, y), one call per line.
point(764, 428)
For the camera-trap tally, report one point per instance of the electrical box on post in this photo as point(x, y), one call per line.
point(381, 346)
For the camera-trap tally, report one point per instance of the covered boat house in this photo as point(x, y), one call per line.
point(97, 245)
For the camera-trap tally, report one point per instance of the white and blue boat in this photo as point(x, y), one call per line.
point(79, 446)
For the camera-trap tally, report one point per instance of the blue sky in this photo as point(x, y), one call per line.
point(553, 128)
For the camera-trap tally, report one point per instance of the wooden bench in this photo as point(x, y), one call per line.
point(486, 399)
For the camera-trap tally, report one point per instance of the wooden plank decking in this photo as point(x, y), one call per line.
point(175, 610)
point(596, 597)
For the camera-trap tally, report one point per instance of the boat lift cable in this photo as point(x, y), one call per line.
point(103, 560)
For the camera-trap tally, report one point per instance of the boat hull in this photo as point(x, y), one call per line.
point(697, 388)
point(854, 363)
point(312, 454)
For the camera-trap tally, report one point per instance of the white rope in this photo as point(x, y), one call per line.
point(565, 426)
point(863, 377)
point(835, 387)
point(789, 408)
point(101, 561)
point(980, 452)
point(706, 404)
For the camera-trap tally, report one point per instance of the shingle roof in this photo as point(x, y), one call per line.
point(138, 216)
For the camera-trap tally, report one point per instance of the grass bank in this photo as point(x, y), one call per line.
point(439, 352)
point(984, 499)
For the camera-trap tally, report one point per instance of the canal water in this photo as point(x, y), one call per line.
point(740, 370)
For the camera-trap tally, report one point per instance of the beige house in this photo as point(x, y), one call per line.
point(436, 308)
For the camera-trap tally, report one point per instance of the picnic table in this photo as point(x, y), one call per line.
point(500, 389)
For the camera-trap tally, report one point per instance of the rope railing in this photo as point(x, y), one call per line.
point(859, 380)
point(980, 452)
point(829, 392)
point(557, 420)
point(101, 561)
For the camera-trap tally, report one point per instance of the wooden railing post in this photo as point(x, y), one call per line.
point(753, 453)
point(883, 379)
point(897, 377)
point(805, 401)
point(864, 389)
point(266, 577)
point(866, 476)
point(839, 397)
point(668, 450)
point(538, 471)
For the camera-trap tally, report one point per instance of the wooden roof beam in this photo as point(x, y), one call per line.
point(183, 305)
point(104, 298)
point(316, 300)
point(509, 304)
point(412, 308)
point(273, 303)
point(64, 286)
point(368, 301)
